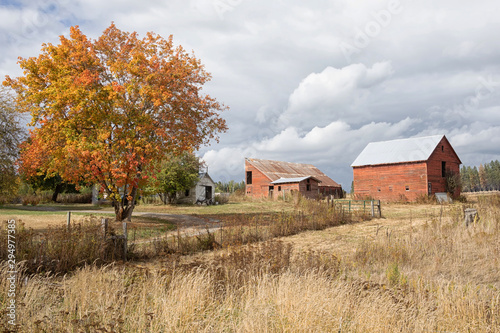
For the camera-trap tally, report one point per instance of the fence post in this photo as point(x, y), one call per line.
point(104, 226)
point(379, 209)
point(221, 232)
point(68, 221)
point(124, 224)
point(373, 208)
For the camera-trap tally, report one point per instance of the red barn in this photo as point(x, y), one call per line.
point(405, 169)
point(265, 178)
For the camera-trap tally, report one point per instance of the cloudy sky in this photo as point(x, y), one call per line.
point(310, 81)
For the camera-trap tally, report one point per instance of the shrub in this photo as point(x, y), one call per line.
point(461, 198)
point(426, 199)
point(75, 198)
point(221, 199)
point(59, 250)
point(31, 200)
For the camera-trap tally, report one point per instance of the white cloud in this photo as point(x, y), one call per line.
point(332, 94)
point(292, 93)
point(331, 148)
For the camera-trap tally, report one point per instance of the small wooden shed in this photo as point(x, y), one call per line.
point(203, 191)
point(405, 169)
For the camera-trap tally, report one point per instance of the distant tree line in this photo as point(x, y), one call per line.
point(484, 178)
point(229, 187)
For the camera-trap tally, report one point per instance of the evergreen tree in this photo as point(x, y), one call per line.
point(486, 177)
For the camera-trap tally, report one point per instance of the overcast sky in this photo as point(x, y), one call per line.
point(310, 81)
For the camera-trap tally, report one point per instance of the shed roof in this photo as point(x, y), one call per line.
point(202, 175)
point(398, 151)
point(294, 180)
point(275, 170)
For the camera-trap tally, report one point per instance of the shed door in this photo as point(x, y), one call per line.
point(208, 192)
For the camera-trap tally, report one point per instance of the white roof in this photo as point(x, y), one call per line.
point(293, 180)
point(398, 151)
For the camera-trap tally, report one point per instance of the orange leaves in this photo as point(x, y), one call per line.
point(108, 109)
point(117, 87)
point(85, 78)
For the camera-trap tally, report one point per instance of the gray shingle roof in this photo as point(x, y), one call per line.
point(398, 151)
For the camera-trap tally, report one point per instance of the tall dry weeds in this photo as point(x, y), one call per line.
point(59, 250)
point(252, 289)
point(442, 277)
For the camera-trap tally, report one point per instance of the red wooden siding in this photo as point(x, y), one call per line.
point(443, 153)
point(261, 183)
point(301, 187)
point(392, 182)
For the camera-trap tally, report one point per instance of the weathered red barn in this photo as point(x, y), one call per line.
point(405, 169)
point(265, 178)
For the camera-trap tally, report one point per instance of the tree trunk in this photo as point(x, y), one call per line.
point(57, 190)
point(163, 197)
point(125, 207)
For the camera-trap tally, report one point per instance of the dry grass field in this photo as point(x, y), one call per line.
point(417, 269)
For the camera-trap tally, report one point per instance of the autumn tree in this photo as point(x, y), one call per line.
point(107, 110)
point(482, 177)
point(486, 177)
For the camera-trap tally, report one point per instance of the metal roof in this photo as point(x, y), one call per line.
point(293, 180)
point(398, 151)
point(275, 170)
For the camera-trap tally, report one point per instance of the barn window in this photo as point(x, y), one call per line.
point(390, 188)
point(308, 181)
point(407, 187)
point(308, 187)
point(443, 169)
point(187, 193)
point(249, 177)
point(378, 189)
point(279, 188)
point(442, 148)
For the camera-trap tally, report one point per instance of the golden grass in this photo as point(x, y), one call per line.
point(34, 217)
point(42, 221)
point(423, 272)
point(236, 205)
